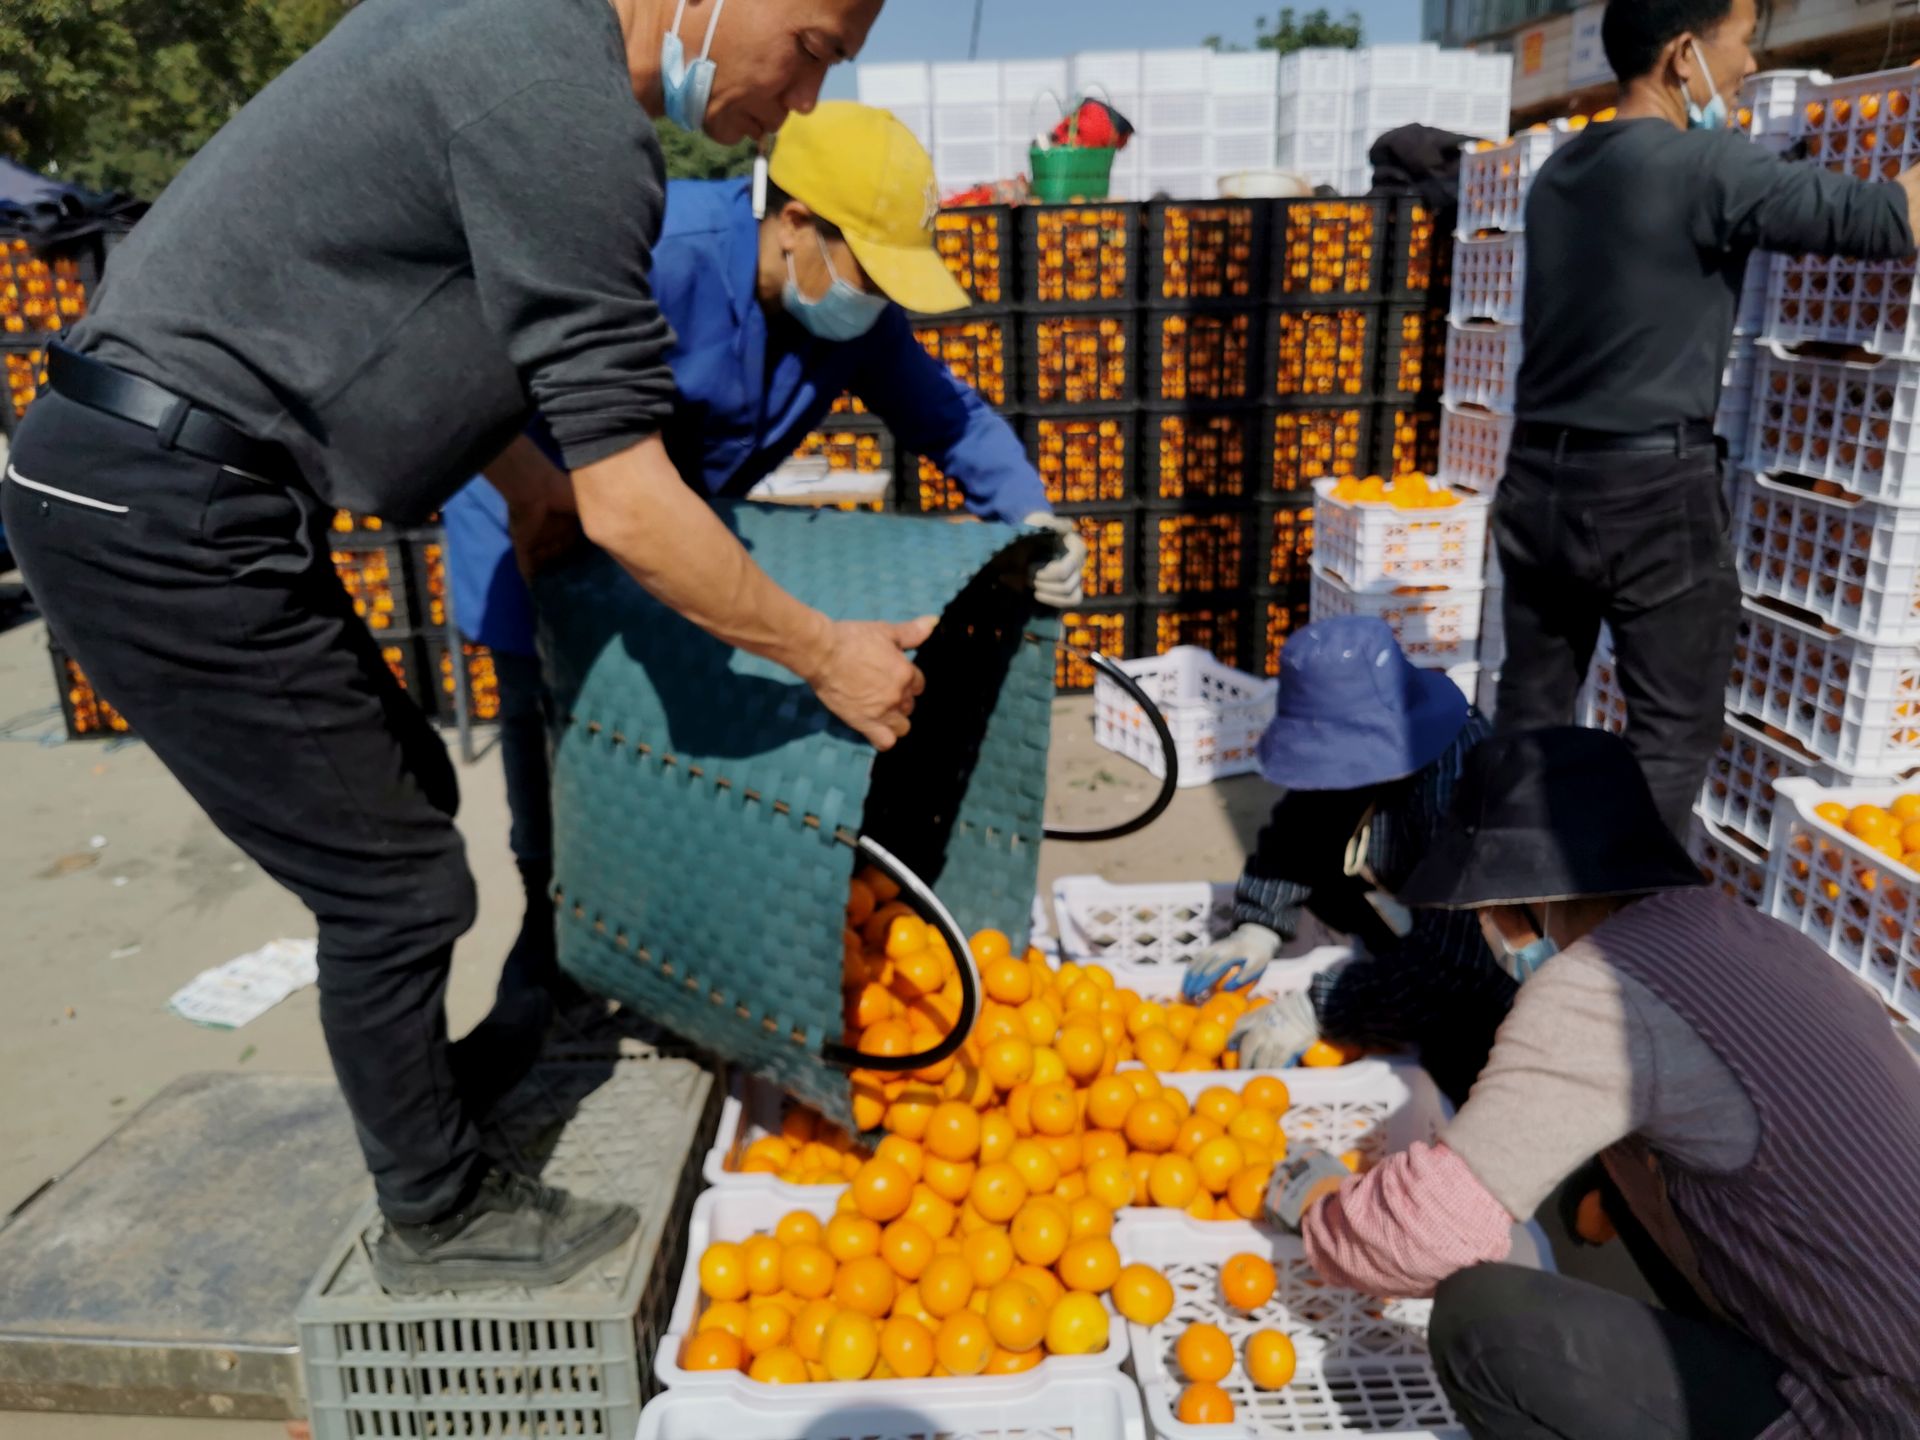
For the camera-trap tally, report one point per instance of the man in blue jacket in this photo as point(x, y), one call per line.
point(774, 318)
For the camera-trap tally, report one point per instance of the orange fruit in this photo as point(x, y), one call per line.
point(849, 1237)
point(712, 1350)
point(948, 1179)
point(1013, 1362)
point(1247, 1282)
point(1039, 1022)
point(866, 1286)
point(953, 1131)
point(1042, 1281)
point(1089, 1218)
point(1869, 822)
point(1108, 1100)
point(861, 902)
point(909, 1116)
point(907, 1347)
point(996, 1137)
point(768, 1324)
point(1071, 1188)
point(1204, 1207)
point(1268, 1359)
point(1048, 1067)
point(1078, 1325)
point(761, 1256)
point(809, 1334)
point(919, 975)
point(1098, 1145)
point(727, 1315)
point(1009, 1061)
point(1035, 1164)
point(946, 1285)
point(1083, 1050)
point(851, 1346)
point(1007, 980)
point(1194, 1132)
point(1157, 1048)
point(1173, 1182)
point(1110, 1182)
point(1181, 1019)
point(908, 1303)
point(1208, 1039)
point(1204, 1403)
point(1039, 1233)
point(1015, 1317)
point(1140, 1162)
point(882, 1190)
point(798, 1227)
point(1217, 1162)
point(1142, 1294)
point(989, 946)
point(1905, 808)
point(906, 935)
point(1068, 1152)
point(931, 1213)
point(1247, 1194)
point(1203, 1352)
point(888, 1037)
point(1152, 1125)
point(963, 1343)
point(906, 1247)
point(989, 1255)
point(1323, 1055)
point(779, 1366)
point(1218, 1104)
point(1833, 812)
point(1019, 1109)
point(998, 1192)
point(1054, 1109)
point(723, 1271)
point(1266, 1092)
point(1143, 1017)
point(1591, 1221)
point(1254, 1127)
point(1146, 1085)
point(1092, 1265)
point(807, 1270)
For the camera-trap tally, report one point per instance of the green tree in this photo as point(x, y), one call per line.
point(119, 94)
point(695, 157)
point(1289, 32)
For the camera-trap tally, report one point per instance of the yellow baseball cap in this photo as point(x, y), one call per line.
point(862, 170)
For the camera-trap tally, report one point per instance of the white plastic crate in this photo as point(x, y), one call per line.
point(1216, 714)
point(751, 1111)
point(1436, 625)
point(1034, 1406)
point(1377, 1107)
point(1732, 867)
point(1489, 279)
point(1831, 886)
point(1410, 64)
point(1494, 179)
point(1363, 1362)
point(1372, 544)
point(1493, 629)
point(1769, 102)
point(1489, 692)
point(966, 82)
point(1862, 124)
point(1738, 795)
point(1483, 362)
point(1243, 112)
point(1322, 68)
point(887, 86)
point(1854, 564)
point(965, 124)
point(1473, 448)
point(1865, 303)
point(1750, 316)
point(1602, 704)
point(1830, 420)
point(737, 1215)
point(1733, 415)
point(1852, 703)
point(1318, 154)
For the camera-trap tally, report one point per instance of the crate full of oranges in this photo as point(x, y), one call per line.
point(1376, 533)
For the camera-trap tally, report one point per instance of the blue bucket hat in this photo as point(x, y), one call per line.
point(1354, 711)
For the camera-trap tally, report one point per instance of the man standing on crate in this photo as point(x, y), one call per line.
point(1637, 238)
point(354, 297)
point(774, 316)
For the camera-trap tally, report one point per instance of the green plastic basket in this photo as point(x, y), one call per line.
point(707, 807)
point(1070, 172)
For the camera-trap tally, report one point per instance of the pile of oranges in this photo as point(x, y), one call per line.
point(1204, 1352)
point(1893, 830)
point(1412, 491)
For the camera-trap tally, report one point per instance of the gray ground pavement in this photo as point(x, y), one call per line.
point(95, 939)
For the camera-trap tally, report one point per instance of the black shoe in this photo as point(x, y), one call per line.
point(514, 1231)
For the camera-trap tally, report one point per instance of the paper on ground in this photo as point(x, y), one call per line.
point(245, 988)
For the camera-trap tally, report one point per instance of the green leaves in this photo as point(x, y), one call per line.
point(1290, 32)
point(694, 157)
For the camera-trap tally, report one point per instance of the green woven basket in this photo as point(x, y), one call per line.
point(705, 803)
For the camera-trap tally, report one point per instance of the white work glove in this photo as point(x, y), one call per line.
point(1276, 1035)
point(1237, 962)
point(1299, 1182)
point(1061, 582)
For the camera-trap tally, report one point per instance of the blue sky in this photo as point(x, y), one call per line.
point(1043, 29)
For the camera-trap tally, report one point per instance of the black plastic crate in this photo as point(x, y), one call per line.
point(1407, 438)
point(1113, 553)
point(26, 377)
point(1086, 359)
point(1218, 624)
point(1413, 353)
point(1282, 546)
point(1201, 356)
point(1080, 256)
point(406, 657)
point(1199, 457)
point(1277, 615)
point(849, 406)
point(1089, 458)
point(923, 488)
point(976, 242)
point(978, 347)
point(1192, 552)
point(428, 556)
point(1323, 353)
point(1300, 444)
point(1329, 250)
point(1207, 251)
point(88, 717)
point(850, 445)
point(378, 580)
point(44, 291)
point(483, 686)
point(1422, 254)
point(1113, 630)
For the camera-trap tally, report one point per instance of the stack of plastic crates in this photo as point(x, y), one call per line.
point(42, 292)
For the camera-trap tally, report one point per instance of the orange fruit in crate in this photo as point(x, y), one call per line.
point(1091, 1265)
point(949, 1179)
point(989, 946)
point(1269, 1359)
point(1265, 1092)
point(997, 1192)
point(866, 1286)
point(798, 1227)
point(850, 1237)
point(1078, 1325)
point(1142, 1294)
point(1203, 1352)
point(807, 1270)
point(1089, 1218)
point(1219, 1104)
point(1247, 1193)
point(882, 1190)
point(1008, 981)
point(1108, 1101)
point(727, 1315)
point(963, 1343)
point(1013, 1362)
point(723, 1271)
point(1204, 1403)
point(768, 1324)
point(1152, 1125)
point(809, 1334)
point(1042, 1281)
point(1173, 1182)
point(1324, 1054)
point(1905, 808)
point(1110, 1181)
point(953, 1132)
point(989, 1255)
point(1040, 1232)
point(712, 1350)
point(1054, 1109)
point(907, 1248)
point(906, 1346)
point(1009, 1061)
point(851, 1346)
point(1015, 1317)
point(1254, 1127)
point(780, 1366)
point(1247, 1282)
point(946, 1285)
point(1217, 1162)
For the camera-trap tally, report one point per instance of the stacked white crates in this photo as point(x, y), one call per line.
point(1313, 114)
point(905, 89)
point(967, 119)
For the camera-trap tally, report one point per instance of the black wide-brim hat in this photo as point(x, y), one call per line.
point(1544, 815)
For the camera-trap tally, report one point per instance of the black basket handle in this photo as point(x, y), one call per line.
point(1168, 784)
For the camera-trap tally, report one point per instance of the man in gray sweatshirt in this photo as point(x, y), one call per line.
point(1637, 237)
point(354, 297)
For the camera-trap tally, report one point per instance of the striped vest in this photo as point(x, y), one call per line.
point(1814, 1247)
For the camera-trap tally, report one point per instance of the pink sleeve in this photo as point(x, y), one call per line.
point(1406, 1225)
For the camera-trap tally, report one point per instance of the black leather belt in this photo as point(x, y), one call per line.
point(179, 424)
point(1564, 439)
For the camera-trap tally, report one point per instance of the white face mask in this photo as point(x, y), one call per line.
point(1523, 963)
point(684, 88)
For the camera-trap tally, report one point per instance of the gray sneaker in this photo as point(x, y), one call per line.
point(514, 1231)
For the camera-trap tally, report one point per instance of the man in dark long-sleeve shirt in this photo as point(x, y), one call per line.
point(1637, 237)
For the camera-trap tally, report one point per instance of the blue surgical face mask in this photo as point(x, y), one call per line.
point(1524, 962)
point(843, 313)
point(1712, 116)
point(685, 88)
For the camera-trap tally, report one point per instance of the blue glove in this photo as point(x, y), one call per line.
point(1239, 960)
point(1299, 1182)
point(1276, 1035)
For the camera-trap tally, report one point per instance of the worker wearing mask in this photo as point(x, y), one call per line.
point(1704, 1052)
point(1637, 238)
point(439, 219)
point(774, 317)
point(1369, 749)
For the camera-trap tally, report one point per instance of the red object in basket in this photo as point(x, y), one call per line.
point(1097, 125)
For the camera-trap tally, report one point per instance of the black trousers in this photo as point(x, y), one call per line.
point(202, 604)
point(1528, 1355)
point(1637, 539)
